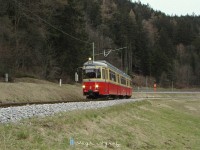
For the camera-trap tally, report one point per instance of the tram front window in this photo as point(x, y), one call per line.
point(91, 73)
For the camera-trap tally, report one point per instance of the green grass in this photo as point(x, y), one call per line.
point(149, 124)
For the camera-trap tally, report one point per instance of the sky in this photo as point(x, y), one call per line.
point(174, 7)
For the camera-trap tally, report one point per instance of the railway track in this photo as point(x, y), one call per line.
point(13, 112)
point(4, 105)
point(29, 110)
point(13, 104)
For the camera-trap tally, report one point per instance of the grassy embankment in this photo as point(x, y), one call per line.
point(172, 123)
point(30, 90)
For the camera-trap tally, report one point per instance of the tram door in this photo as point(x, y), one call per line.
point(105, 78)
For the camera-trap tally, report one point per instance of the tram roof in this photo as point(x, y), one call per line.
point(106, 64)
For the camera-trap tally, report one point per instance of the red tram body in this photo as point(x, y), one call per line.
point(101, 79)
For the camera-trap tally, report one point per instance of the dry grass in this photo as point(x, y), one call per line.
point(31, 90)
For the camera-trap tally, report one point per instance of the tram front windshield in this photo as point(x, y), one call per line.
point(91, 73)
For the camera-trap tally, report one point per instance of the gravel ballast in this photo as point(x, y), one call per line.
point(14, 114)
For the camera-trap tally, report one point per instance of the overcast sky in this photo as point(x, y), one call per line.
point(172, 7)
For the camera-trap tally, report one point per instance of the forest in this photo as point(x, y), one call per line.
point(50, 39)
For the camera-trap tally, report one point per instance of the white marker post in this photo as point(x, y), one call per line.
point(6, 77)
point(76, 76)
point(60, 82)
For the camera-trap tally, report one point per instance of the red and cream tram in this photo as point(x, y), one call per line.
point(101, 79)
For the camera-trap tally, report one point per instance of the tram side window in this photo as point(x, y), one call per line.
point(112, 76)
point(98, 73)
point(123, 81)
point(118, 78)
point(106, 73)
point(103, 73)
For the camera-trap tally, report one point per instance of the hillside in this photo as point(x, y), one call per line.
point(51, 39)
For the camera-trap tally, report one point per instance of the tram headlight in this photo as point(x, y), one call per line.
point(96, 86)
point(83, 86)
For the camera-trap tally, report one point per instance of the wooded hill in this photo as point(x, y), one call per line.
point(49, 39)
